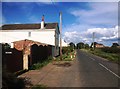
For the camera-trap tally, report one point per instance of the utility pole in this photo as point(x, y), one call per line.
point(93, 40)
point(60, 35)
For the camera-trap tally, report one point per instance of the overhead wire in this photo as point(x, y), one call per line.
point(58, 10)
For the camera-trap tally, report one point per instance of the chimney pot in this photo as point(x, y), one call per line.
point(42, 23)
point(43, 18)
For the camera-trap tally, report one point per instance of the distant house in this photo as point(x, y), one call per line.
point(47, 33)
point(64, 44)
point(115, 45)
point(97, 45)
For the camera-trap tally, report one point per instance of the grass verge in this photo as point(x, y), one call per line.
point(110, 56)
point(39, 65)
point(39, 87)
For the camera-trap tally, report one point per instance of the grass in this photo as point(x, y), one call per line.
point(65, 57)
point(110, 56)
point(39, 65)
point(20, 72)
point(39, 87)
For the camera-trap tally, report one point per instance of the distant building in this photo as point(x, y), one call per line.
point(115, 45)
point(99, 45)
point(64, 44)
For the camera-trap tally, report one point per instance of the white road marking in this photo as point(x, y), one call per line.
point(109, 70)
point(92, 58)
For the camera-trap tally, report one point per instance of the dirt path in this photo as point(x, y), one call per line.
point(62, 74)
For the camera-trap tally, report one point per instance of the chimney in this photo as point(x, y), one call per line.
point(42, 23)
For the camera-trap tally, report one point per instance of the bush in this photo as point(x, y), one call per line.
point(66, 50)
point(64, 56)
point(111, 50)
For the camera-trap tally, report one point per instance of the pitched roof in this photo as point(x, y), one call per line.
point(28, 26)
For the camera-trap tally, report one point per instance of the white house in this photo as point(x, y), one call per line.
point(64, 44)
point(47, 33)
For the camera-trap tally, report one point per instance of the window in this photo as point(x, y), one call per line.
point(29, 34)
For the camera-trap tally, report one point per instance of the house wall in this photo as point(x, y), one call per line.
point(49, 36)
point(43, 36)
point(99, 46)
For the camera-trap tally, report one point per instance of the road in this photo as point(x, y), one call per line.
point(96, 71)
point(86, 70)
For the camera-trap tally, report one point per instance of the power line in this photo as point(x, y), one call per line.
point(58, 11)
point(53, 3)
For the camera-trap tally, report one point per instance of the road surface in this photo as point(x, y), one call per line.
point(96, 72)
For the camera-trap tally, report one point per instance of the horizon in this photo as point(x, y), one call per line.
point(80, 19)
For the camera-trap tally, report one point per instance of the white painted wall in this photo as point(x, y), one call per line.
point(43, 36)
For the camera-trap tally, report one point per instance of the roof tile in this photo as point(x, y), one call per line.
point(28, 26)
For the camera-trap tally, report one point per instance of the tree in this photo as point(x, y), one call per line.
point(6, 46)
point(80, 45)
point(115, 45)
point(72, 45)
point(86, 46)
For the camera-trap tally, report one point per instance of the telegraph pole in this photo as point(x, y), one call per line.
point(93, 40)
point(60, 35)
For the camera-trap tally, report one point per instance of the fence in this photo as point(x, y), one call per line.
point(13, 59)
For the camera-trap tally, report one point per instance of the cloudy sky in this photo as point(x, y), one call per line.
point(80, 19)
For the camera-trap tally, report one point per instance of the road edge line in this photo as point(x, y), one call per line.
point(109, 70)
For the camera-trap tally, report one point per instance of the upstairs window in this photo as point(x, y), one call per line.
point(29, 34)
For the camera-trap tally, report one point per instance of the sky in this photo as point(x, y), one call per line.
point(79, 19)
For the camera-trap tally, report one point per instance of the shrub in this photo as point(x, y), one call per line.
point(66, 50)
point(111, 50)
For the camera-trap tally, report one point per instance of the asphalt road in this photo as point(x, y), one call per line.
point(96, 72)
